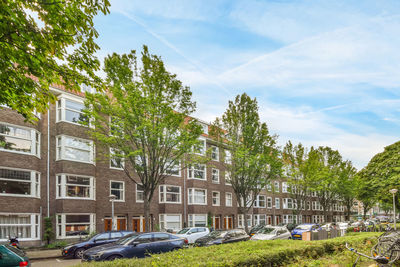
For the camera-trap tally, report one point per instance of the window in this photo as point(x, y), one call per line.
point(260, 201)
point(170, 194)
point(70, 111)
point(197, 171)
point(160, 237)
point(117, 189)
point(25, 226)
point(228, 157)
point(269, 202)
point(74, 225)
point(197, 196)
point(308, 205)
point(228, 178)
point(260, 219)
point(216, 198)
point(205, 128)
point(116, 162)
point(200, 147)
point(276, 186)
point(74, 186)
point(197, 220)
point(215, 176)
point(228, 199)
point(19, 182)
point(139, 193)
point(277, 203)
point(19, 140)
point(284, 187)
point(173, 168)
point(269, 186)
point(241, 220)
point(170, 221)
point(215, 153)
point(75, 149)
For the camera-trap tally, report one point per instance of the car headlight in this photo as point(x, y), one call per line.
point(98, 254)
point(67, 247)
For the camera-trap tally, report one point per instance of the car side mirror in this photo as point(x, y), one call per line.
point(189, 233)
point(135, 243)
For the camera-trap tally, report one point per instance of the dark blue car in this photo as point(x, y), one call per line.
point(76, 250)
point(305, 227)
point(136, 246)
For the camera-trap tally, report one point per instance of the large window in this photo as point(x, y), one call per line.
point(19, 182)
point(215, 176)
point(170, 194)
point(170, 221)
point(24, 226)
point(117, 188)
point(197, 196)
point(228, 199)
point(75, 149)
point(197, 171)
point(260, 219)
point(19, 140)
point(200, 147)
point(74, 186)
point(173, 168)
point(70, 110)
point(139, 193)
point(116, 161)
point(215, 153)
point(260, 201)
point(74, 225)
point(228, 157)
point(216, 199)
point(197, 220)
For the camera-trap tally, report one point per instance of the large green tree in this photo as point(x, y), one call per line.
point(347, 185)
point(254, 156)
point(143, 117)
point(44, 42)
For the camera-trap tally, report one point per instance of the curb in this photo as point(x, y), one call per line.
point(44, 258)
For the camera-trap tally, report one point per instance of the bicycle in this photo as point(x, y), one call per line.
point(379, 259)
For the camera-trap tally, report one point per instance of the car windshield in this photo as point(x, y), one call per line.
point(183, 231)
point(126, 239)
point(266, 230)
point(218, 234)
point(303, 227)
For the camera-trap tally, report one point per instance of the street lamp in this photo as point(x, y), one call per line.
point(112, 198)
point(394, 191)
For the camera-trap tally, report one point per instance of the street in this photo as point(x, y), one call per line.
point(55, 262)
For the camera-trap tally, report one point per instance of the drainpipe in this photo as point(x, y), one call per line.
point(48, 162)
point(184, 196)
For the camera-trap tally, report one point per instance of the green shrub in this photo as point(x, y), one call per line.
point(250, 253)
point(58, 244)
point(350, 230)
point(48, 229)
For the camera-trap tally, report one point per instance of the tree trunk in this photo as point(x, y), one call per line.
point(348, 206)
point(146, 206)
point(365, 212)
point(246, 227)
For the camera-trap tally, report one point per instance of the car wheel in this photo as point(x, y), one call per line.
point(79, 253)
point(114, 257)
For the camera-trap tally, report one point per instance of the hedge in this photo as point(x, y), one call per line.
point(250, 253)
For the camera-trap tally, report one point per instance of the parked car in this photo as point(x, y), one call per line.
point(137, 246)
point(271, 233)
point(255, 229)
point(193, 233)
point(305, 227)
point(329, 226)
point(76, 250)
point(11, 256)
point(222, 236)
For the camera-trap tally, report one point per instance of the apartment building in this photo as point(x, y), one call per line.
point(53, 169)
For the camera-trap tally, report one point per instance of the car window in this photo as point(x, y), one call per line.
point(193, 230)
point(183, 231)
point(116, 235)
point(103, 236)
point(146, 238)
point(160, 237)
point(201, 230)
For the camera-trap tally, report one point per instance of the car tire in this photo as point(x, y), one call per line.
point(79, 253)
point(114, 257)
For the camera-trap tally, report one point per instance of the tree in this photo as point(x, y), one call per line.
point(46, 42)
point(254, 157)
point(48, 229)
point(295, 159)
point(346, 186)
point(143, 117)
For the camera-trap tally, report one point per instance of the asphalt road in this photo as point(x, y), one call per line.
point(55, 262)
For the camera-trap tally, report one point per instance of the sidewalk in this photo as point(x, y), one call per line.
point(43, 254)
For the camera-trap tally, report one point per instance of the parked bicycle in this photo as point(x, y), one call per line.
point(379, 259)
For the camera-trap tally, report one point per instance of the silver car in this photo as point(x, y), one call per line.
point(271, 233)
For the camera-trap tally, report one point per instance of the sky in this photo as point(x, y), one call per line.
point(325, 73)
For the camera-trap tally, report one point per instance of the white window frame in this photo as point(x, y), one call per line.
point(138, 191)
point(123, 190)
point(269, 203)
point(34, 183)
point(192, 170)
point(228, 178)
point(228, 199)
point(163, 223)
point(61, 190)
point(218, 198)
point(164, 193)
point(191, 196)
point(277, 203)
point(60, 149)
point(228, 157)
point(276, 186)
point(257, 201)
point(34, 224)
point(192, 220)
point(61, 110)
point(60, 226)
point(111, 159)
point(284, 187)
point(202, 148)
point(35, 139)
point(213, 175)
point(175, 167)
point(241, 220)
point(216, 153)
point(258, 218)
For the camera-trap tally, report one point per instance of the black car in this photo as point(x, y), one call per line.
point(137, 246)
point(221, 237)
point(76, 250)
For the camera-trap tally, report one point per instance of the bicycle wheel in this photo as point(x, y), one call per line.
point(387, 248)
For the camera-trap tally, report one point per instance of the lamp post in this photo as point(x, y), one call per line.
point(112, 198)
point(394, 191)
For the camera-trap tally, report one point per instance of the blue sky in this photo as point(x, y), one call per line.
point(323, 72)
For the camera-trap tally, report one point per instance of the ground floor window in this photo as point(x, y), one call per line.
point(24, 226)
point(197, 220)
point(241, 220)
point(318, 218)
point(75, 225)
point(260, 219)
point(171, 221)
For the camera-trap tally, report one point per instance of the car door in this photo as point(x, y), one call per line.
point(201, 231)
point(191, 235)
point(161, 243)
point(140, 246)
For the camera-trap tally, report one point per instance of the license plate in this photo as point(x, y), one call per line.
point(297, 235)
